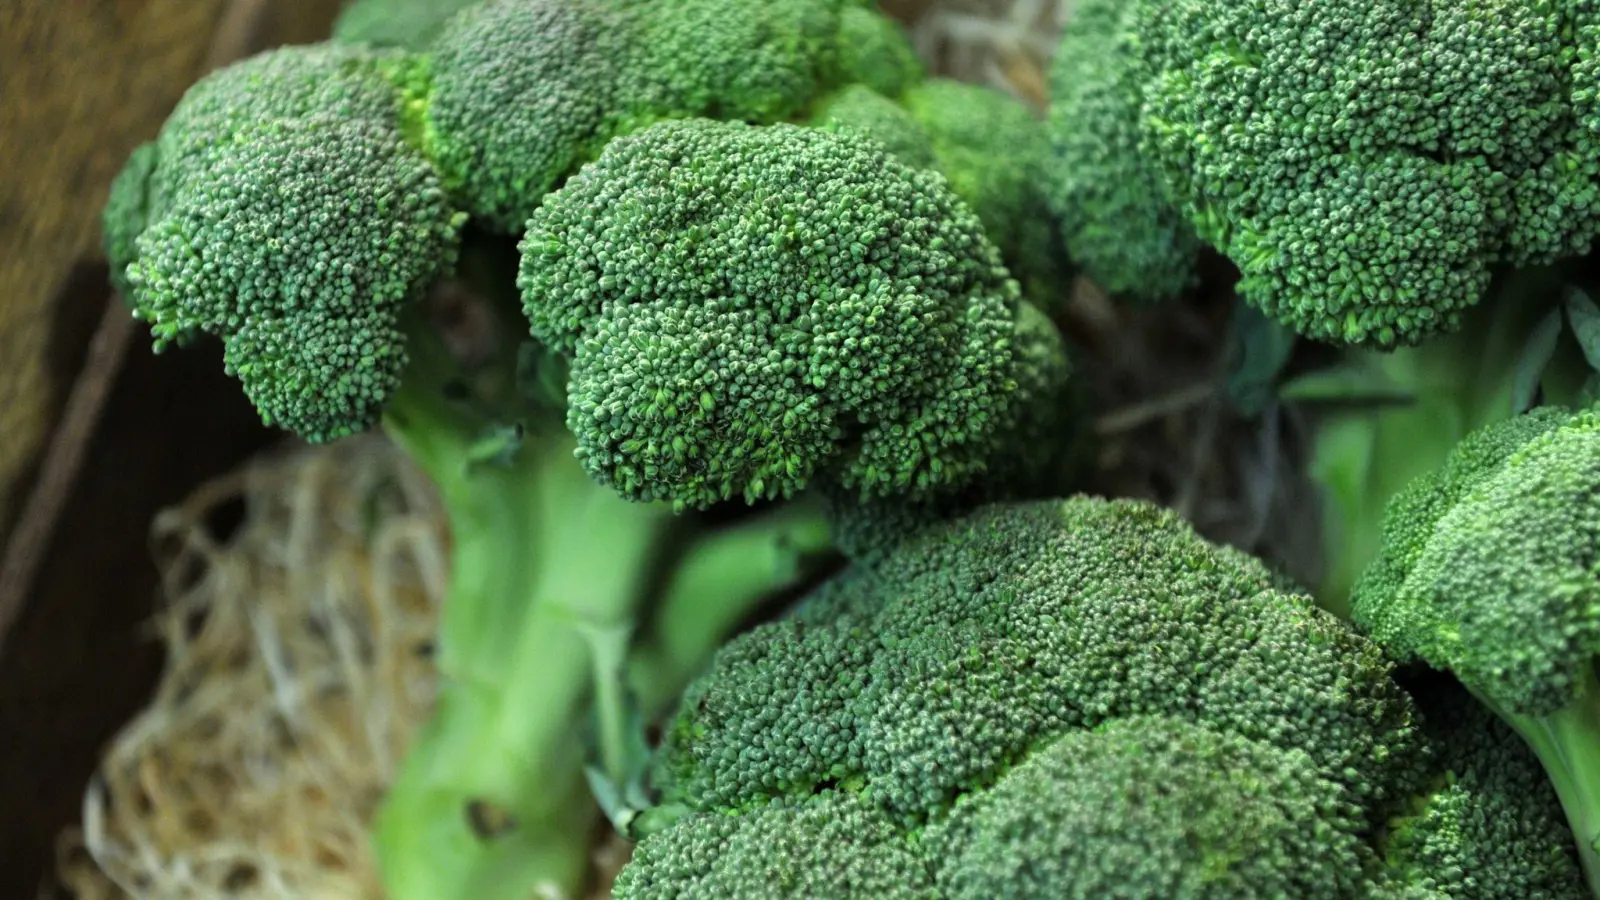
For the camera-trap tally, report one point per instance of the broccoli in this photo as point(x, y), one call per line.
point(847, 318)
point(865, 111)
point(1487, 826)
point(1367, 167)
point(404, 24)
point(874, 51)
point(335, 214)
point(1108, 197)
point(1487, 569)
point(1000, 687)
point(996, 153)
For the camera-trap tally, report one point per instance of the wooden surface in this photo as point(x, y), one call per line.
point(81, 83)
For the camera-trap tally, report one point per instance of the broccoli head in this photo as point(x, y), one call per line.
point(1366, 166)
point(1490, 568)
point(283, 209)
point(928, 674)
point(996, 154)
point(874, 51)
point(859, 108)
point(1076, 698)
point(748, 308)
point(1108, 198)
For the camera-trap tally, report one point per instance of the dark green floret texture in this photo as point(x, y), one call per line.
point(865, 111)
point(875, 52)
point(930, 673)
point(747, 307)
point(1152, 807)
point(1488, 826)
point(1367, 167)
point(1490, 567)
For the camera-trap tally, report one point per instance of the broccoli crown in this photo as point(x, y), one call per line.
point(996, 154)
point(1366, 166)
point(873, 50)
point(286, 213)
point(863, 110)
point(1489, 826)
point(1107, 197)
point(834, 845)
point(1152, 808)
point(1489, 566)
point(525, 91)
point(747, 307)
point(405, 24)
point(926, 675)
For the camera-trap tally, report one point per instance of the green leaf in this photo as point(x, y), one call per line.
point(1585, 318)
point(1261, 348)
point(1351, 384)
point(1533, 360)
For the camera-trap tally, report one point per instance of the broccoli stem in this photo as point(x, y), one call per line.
point(1567, 743)
point(550, 574)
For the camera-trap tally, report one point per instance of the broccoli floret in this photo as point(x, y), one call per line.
point(874, 51)
point(750, 307)
point(865, 111)
point(1489, 827)
point(406, 24)
point(924, 676)
point(996, 154)
point(286, 210)
point(1366, 166)
point(1488, 570)
point(1108, 198)
point(833, 845)
point(1152, 808)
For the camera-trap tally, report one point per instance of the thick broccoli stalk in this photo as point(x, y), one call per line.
point(750, 310)
point(1488, 826)
point(1488, 569)
point(552, 578)
point(1053, 699)
point(1367, 167)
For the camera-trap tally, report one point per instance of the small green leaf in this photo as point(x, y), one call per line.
point(1585, 318)
point(1531, 363)
point(1261, 348)
point(1352, 384)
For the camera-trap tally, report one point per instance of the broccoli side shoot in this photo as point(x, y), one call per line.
point(404, 24)
point(874, 51)
point(1490, 569)
point(751, 308)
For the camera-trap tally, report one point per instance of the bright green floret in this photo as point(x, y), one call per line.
point(927, 675)
point(874, 51)
point(285, 212)
point(750, 308)
point(1153, 808)
point(406, 24)
point(1366, 166)
point(1115, 219)
point(996, 154)
point(1489, 827)
point(1490, 568)
point(833, 845)
point(127, 213)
